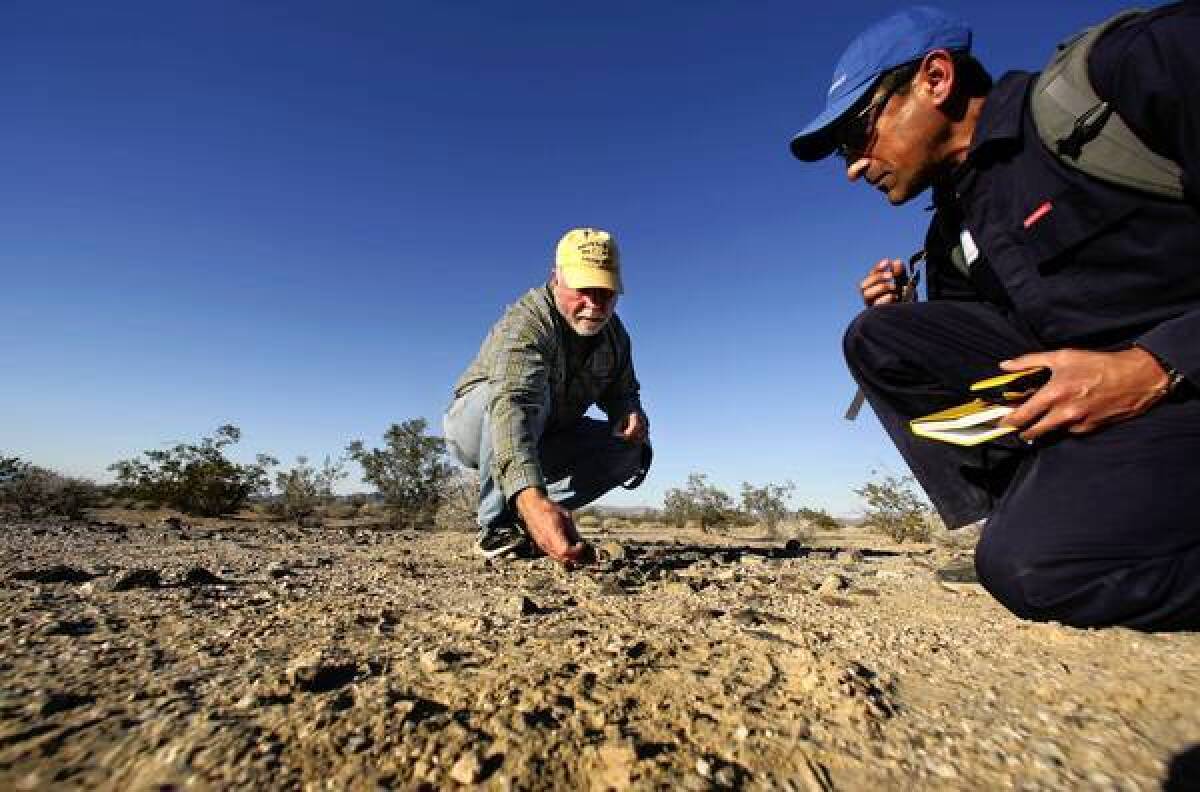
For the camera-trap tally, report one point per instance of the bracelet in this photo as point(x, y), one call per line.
point(1175, 377)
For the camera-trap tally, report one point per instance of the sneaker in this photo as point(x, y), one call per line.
point(505, 541)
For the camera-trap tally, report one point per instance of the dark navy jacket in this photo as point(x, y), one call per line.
point(1102, 267)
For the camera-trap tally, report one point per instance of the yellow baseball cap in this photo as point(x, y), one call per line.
point(587, 258)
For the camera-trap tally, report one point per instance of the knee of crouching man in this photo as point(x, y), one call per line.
point(1003, 572)
point(857, 340)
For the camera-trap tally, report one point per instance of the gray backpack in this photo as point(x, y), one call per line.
point(1082, 130)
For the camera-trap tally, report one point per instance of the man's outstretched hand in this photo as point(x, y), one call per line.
point(551, 527)
point(1087, 390)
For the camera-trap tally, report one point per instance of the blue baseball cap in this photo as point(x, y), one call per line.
point(901, 38)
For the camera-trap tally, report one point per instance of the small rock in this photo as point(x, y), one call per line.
point(279, 569)
point(57, 573)
point(612, 551)
point(725, 777)
point(520, 605)
point(610, 588)
point(199, 576)
point(793, 548)
point(172, 523)
point(51, 702)
point(439, 660)
point(467, 769)
point(832, 584)
point(322, 670)
point(704, 768)
point(614, 763)
point(850, 556)
point(741, 733)
point(138, 578)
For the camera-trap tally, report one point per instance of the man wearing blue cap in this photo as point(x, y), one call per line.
point(1034, 260)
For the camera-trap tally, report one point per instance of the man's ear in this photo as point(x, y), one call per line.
point(936, 77)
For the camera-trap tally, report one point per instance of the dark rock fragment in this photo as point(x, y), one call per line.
point(199, 576)
point(56, 573)
point(138, 578)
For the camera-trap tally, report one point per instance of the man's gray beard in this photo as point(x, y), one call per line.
point(589, 329)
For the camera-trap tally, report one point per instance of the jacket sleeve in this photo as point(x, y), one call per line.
point(519, 379)
point(1150, 74)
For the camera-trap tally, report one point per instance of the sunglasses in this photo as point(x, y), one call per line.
point(859, 132)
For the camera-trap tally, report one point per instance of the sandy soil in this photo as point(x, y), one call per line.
point(236, 655)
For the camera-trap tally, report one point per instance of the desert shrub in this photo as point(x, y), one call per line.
point(30, 491)
point(895, 509)
point(767, 504)
point(613, 525)
point(339, 510)
point(195, 478)
point(588, 522)
point(819, 519)
point(9, 467)
point(459, 503)
point(303, 489)
point(409, 472)
point(700, 501)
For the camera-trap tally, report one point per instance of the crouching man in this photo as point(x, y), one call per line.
point(1036, 258)
point(518, 410)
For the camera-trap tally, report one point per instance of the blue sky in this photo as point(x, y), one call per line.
point(302, 218)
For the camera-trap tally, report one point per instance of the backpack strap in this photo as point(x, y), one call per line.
point(1082, 130)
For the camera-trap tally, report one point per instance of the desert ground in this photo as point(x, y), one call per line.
point(211, 655)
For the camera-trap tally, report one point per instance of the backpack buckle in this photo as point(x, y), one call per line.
point(1086, 127)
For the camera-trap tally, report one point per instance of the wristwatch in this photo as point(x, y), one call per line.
point(1175, 377)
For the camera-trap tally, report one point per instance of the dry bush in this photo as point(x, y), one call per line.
point(340, 510)
point(304, 489)
point(30, 492)
point(613, 524)
point(195, 478)
point(895, 509)
point(699, 501)
point(409, 472)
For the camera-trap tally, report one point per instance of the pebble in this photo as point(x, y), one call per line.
point(520, 605)
point(279, 569)
point(467, 769)
point(851, 556)
point(704, 768)
point(56, 573)
point(199, 576)
point(138, 578)
point(612, 551)
point(832, 584)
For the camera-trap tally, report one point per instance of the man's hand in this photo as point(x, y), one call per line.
point(632, 428)
point(551, 528)
point(1087, 390)
point(880, 286)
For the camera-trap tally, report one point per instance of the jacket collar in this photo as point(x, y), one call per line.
point(998, 129)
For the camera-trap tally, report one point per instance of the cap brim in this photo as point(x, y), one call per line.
point(818, 140)
point(591, 278)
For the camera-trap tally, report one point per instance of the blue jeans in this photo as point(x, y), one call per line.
point(579, 464)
